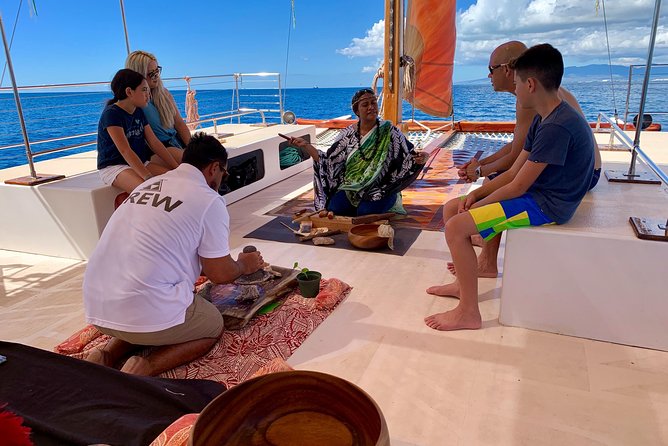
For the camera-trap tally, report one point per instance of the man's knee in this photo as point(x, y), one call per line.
point(214, 324)
point(450, 209)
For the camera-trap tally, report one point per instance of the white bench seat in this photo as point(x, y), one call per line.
point(592, 277)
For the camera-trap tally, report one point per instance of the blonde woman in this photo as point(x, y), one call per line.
point(161, 111)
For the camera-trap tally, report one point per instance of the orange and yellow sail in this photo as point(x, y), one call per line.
point(429, 39)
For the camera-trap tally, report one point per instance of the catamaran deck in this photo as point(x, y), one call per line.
point(499, 385)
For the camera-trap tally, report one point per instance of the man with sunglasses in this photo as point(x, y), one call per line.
point(502, 75)
point(138, 286)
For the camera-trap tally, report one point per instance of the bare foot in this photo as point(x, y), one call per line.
point(99, 356)
point(447, 290)
point(455, 320)
point(477, 240)
point(484, 271)
point(137, 365)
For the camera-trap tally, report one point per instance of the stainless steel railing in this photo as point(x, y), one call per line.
point(245, 101)
point(626, 141)
point(660, 79)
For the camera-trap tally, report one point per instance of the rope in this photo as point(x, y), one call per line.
point(409, 81)
point(409, 75)
point(374, 85)
point(192, 112)
point(607, 40)
point(289, 157)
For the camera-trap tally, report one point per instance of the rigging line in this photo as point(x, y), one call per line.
point(607, 40)
point(291, 24)
point(16, 21)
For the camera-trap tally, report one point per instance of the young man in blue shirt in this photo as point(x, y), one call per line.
point(545, 185)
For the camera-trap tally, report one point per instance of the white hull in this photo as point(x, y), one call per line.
point(65, 218)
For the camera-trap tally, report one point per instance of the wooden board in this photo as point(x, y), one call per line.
point(33, 181)
point(341, 223)
point(236, 313)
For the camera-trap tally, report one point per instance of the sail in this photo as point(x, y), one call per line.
point(429, 39)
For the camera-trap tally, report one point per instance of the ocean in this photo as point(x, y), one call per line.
point(54, 115)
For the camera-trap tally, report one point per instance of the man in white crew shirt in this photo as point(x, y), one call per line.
point(138, 286)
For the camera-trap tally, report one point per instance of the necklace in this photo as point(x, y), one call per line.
point(367, 157)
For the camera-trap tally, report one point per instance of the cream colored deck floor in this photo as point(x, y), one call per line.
point(495, 386)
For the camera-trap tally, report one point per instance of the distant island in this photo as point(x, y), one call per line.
point(587, 73)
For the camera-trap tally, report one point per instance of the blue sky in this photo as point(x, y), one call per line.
point(81, 41)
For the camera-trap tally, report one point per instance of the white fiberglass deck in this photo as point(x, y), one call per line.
point(495, 386)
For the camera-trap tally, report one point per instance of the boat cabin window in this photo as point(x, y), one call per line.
point(244, 170)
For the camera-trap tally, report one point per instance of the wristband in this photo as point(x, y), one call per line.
point(478, 171)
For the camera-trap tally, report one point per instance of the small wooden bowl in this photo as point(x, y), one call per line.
point(290, 409)
point(366, 237)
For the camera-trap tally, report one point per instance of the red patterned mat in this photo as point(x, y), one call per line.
point(238, 355)
point(434, 186)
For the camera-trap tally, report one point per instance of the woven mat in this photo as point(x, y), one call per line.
point(438, 182)
point(274, 231)
point(238, 355)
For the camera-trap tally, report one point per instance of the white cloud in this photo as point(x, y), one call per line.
point(370, 45)
point(373, 68)
point(572, 26)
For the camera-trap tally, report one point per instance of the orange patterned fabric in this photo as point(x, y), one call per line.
point(76, 342)
point(239, 354)
point(177, 433)
point(275, 365)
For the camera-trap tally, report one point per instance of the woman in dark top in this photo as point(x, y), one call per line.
point(123, 133)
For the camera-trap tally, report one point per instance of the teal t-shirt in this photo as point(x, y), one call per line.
point(167, 136)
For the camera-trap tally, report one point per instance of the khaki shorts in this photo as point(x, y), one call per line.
point(203, 320)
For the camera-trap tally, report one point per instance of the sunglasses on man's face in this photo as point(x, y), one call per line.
point(491, 68)
point(226, 174)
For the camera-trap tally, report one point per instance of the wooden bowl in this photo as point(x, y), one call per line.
point(366, 237)
point(291, 409)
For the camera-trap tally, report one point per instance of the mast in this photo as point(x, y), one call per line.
point(394, 25)
point(125, 28)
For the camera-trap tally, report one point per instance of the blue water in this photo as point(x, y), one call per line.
point(51, 115)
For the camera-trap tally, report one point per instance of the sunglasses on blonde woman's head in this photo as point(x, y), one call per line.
point(155, 73)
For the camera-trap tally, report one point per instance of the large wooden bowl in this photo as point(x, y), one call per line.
point(291, 409)
point(366, 237)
